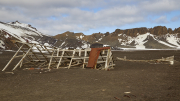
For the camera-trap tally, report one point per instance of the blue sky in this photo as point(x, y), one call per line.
point(91, 16)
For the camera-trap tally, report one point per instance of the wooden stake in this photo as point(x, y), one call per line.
point(23, 57)
point(106, 64)
point(51, 59)
point(42, 54)
point(60, 59)
point(71, 58)
point(50, 52)
point(24, 51)
point(85, 54)
point(12, 58)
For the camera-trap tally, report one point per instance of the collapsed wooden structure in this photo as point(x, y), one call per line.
point(41, 56)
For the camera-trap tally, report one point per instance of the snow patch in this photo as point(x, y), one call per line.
point(106, 45)
point(119, 34)
point(46, 44)
point(2, 45)
point(85, 45)
point(81, 36)
point(165, 44)
point(139, 39)
point(6, 36)
point(100, 39)
point(140, 46)
point(63, 43)
point(120, 40)
point(35, 42)
point(173, 40)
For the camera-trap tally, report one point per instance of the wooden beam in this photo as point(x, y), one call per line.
point(51, 59)
point(71, 58)
point(23, 51)
point(106, 64)
point(42, 54)
point(60, 59)
point(50, 52)
point(12, 58)
point(23, 57)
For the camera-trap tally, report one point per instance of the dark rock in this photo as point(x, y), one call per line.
point(96, 45)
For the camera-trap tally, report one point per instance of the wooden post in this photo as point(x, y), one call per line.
point(95, 66)
point(50, 53)
point(85, 54)
point(12, 58)
point(21, 62)
point(58, 52)
point(51, 59)
point(106, 64)
point(34, 54)
point(110, 58)
point(103, 52)
point(71, 58)
point(42, 54)
point(23, 57)
point(24, 51)
point(79, 52)
point(60, 59)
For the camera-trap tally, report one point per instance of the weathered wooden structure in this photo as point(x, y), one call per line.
point(41, 56)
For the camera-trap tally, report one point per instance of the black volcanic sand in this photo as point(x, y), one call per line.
point(129, 81)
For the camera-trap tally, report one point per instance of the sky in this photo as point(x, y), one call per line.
point(54, 17)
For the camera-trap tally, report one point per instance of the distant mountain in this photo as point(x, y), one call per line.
point(140, 38)
point(158, 37)
point(71, 40)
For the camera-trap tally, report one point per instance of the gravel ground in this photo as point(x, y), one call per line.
point(129, 81)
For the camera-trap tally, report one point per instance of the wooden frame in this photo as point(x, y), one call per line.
point(54, 57)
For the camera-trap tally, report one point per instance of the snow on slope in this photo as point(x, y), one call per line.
point(20, 31)
point(85, 45)
point(172, 40)
point(126, 39)
point(2, 44)
point(139, 40)
point(18, 24)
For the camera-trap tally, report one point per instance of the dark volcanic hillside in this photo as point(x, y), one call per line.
point(162, 38)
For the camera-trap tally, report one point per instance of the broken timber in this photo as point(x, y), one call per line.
point(52, 57)
point(168, 59)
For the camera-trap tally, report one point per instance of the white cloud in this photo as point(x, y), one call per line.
point(82, 15)
point(160, 6)
point(175, 18)
point(52, 3)
point(161, 20)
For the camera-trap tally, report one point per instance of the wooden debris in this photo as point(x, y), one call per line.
point(167, 59)
point(10, 72)
point(117, 98)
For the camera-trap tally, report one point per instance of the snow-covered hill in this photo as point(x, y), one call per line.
point(21, 32)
